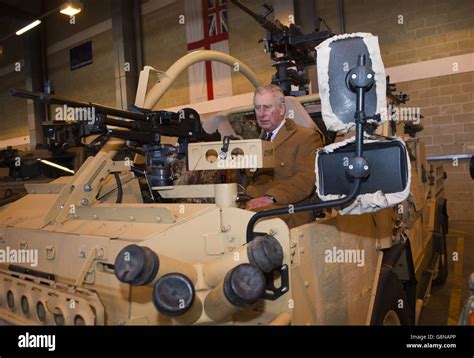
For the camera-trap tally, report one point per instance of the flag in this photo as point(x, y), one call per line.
point(206, 28)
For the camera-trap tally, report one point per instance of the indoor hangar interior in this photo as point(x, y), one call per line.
point(237, 162)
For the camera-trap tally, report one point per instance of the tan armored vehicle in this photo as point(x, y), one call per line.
point(86, 249)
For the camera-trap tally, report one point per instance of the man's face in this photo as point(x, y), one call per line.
point(269, 115)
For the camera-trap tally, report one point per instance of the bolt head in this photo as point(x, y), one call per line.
point(369, 76)
point(354, 76)
point(351, 167)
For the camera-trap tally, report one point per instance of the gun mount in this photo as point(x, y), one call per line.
point(143, 130)
point(290, 48)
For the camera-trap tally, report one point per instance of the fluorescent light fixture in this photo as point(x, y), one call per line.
point(70, 8)
point(47, 162)
point(28, 27)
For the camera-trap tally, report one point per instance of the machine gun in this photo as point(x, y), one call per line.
point(397, 99)
point(290, 48)
point(142, 128)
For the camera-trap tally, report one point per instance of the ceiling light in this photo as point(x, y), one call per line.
point(71, 8)
point(28, 27)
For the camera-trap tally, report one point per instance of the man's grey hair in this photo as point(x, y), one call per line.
point(275, 90)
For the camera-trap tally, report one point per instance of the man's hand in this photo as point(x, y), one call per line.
point(258, 202)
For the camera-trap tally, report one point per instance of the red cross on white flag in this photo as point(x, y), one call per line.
point(206, 28)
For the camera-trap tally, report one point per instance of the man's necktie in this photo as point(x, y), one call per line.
point(268, 136)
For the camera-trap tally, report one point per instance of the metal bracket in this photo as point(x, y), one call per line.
point(87, 268)
point(271, 292)
point(82, 190)
point(143, 84)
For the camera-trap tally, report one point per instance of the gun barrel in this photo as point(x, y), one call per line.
point(52, 99)
point(15, 92)
point(267, 24)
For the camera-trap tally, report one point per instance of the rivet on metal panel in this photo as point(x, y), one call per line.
point(306, 284)
point(158, 219)
point(100, 252)
point(132, 218)
point(272, 231)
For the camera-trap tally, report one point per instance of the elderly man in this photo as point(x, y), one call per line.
point(293, 178)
